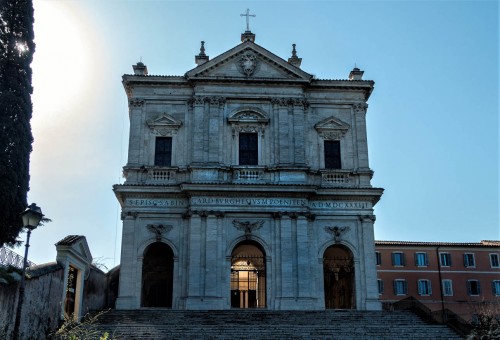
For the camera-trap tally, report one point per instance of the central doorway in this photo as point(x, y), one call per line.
point(248, 276)
point(157, 275)
point(338, 275)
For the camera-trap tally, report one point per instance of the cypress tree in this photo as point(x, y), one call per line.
point(16, 53)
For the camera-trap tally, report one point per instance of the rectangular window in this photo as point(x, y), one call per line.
point(445, 259)
point(378, 258)
point(400, 287)
point(398, 259)
point(380, 284)
point(495, 285)
point(332, 154)
point(473, 288)
point(494, 261)
point(447, 287)
point(248, 149)
point(421, 259)
point(163, 151)
point(469, 260)
point(424, 287)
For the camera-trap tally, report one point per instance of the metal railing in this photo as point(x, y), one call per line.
point(10, 258)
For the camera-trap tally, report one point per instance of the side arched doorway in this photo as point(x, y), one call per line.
point(338, 275)
point(157, 275)
point(248, 276)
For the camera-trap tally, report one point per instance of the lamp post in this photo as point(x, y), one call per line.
point(31, 218)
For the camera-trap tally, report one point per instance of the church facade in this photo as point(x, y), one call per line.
point(247, 186)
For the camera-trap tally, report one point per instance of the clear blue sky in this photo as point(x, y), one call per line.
point(432, 120)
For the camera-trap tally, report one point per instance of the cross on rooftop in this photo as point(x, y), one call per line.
point(248, 15)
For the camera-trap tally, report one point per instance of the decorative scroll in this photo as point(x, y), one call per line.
point(360, 107)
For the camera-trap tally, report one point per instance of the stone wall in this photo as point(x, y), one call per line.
point(94, 291)
point(42, 303)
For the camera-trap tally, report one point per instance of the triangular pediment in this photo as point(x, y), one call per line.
point(74, 250)
point(249, 61)
point(164, 120)
point(248, 114)
point(332, 128)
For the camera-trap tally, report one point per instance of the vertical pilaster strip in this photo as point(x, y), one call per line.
point(286, 257)
point(194, 256)
point(370, 270)
point(136, 133)
point(303, 264)
point(362, 142)
point(274, 126)
point(284, 132)
point(127, 298)
point(213, 129)
point(299, 132)
point(198, 113)
point(211, 282)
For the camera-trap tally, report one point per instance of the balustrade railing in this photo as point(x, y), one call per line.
point(10, 258)
point(248, 174)
point(161, 175)
point(336, 177)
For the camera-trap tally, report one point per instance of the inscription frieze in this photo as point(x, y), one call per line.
point(156, 202)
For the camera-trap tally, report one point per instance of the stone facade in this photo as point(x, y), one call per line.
point(211, 224)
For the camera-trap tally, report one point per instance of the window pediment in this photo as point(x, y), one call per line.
point(332, 128)
point(164, 125)
point(248, 115)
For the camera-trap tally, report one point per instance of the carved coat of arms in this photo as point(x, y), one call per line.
point(248, 63)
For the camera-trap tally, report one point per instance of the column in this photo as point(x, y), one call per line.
point(135, 145)
point(127, 298)
point(369, 263)
point(211, 263)
point(362, 141)
point(299, 132)
point(283, 127)
point(286, 257)
point(198, 142)
point(194, 264)
point(214, 138)
point(303, 261)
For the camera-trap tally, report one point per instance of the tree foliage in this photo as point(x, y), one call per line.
point(16, 53)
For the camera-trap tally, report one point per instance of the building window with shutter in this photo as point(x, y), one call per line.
point(248, 149)
point(380, 285)
point(332, 154)
point(494, 262)
point(445, 259)
point(469, 260)
point(400, 287)
point(495, 285)
point(473, 288)
point(421, 260)
point(447, 287)
point(424, 287)
point(163, 151)
point(398, 259)
point(378, 258)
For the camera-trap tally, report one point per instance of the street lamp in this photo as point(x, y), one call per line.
point(31, 219)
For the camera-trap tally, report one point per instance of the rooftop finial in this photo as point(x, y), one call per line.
point(202, 48)
point(202, 57)
point(248, 15)
point(356, 73)
point(294, 60)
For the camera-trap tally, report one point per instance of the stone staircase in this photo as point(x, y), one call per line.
point(264, 324)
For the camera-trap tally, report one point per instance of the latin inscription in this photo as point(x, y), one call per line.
point(272, 202)
point(146, 202)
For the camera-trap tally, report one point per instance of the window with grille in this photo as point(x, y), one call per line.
point(447, 287)
point(494, 262)
point(445, 259)
point(469, 260)
point(398, 259)
point(248, 149)
point(424, 287)
point(332, 154)
point(163, 151)
point(421, 259)
point(380, 285)
point(495, 285)
point(473, 288)
point(400, 287)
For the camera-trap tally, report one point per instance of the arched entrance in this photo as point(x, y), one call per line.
point(157, 275)
point(248, 276)
point(338, 274)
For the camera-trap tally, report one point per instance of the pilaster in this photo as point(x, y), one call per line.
point(127, 298)
point(370, 271)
